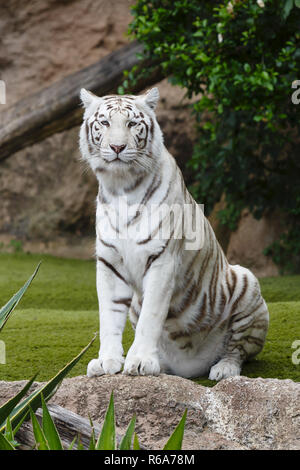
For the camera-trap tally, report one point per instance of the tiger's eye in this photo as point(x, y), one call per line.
point(132, 124)
point(105, 123)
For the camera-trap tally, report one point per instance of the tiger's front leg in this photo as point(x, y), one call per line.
point(114, 295)
point(158, 285)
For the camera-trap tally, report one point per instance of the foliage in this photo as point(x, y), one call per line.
point(15, 411)
point(8, 308)
point(241, 59)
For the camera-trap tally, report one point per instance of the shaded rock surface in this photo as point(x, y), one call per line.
point(252, 236)
point(237, 413)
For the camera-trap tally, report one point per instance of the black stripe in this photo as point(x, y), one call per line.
point(109, 245)
point(126, 301)
point(151, 127)
point(243, 291)
point(202, 311)
point(153, 258)
point(150, 190)
point(166, 194)
point(112, 269)
point(146, 240)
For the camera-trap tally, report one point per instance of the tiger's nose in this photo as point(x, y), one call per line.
point(117, 148)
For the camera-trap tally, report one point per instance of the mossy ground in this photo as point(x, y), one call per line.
point(58, 316)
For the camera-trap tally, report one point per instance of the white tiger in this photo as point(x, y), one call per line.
point(192, 311)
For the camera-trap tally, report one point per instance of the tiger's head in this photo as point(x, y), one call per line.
point(120, 132)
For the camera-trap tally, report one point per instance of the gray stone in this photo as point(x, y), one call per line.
point(237, 413)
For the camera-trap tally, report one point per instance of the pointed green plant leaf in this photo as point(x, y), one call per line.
point(127, 439)
point(7, 310)
point(8, 407)
point(92, 443)
point(79, 444)
point(72, 443)
point(49, 428)
point(34, 399)
point(5, 444)
point(16, 428)
point(9, 433)
point(106, 440)
point(175, 440)
point(136, 444)
point(8, 430)
point(40, 438)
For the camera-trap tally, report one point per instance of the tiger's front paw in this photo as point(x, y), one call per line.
point(141, 364)
point(103, 366)
point(224, 369)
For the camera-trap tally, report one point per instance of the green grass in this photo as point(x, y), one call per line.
point(58, 316)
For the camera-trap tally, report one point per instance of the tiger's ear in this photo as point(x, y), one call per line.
point(152, 97)
point(87, 97)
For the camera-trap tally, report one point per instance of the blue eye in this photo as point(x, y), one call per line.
point(105, 123)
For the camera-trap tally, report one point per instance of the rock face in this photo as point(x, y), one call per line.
point(252, 236)
point(237, 413)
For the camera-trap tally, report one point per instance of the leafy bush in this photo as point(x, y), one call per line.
point(243, 59)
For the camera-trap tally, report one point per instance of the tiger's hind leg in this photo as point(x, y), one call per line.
point(247, 328)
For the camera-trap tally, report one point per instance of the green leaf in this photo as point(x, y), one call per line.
point(175, 440)
point(34, 399)
point(8, 308)
point(92, 444)
point(72, 443)
point(79, 444)
point(107, 436)
point(40, 438)
point(203, 57)
point(49, 429)
point(5, 444)
point(8, 407)
point(297, 3)
point(126, 441)
point(136, 444)
point(8, 430)
point(287, 8)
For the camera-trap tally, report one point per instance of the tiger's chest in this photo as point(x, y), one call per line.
point(125, 240)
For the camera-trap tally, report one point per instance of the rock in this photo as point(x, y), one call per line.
point(237, 413)
point(257, 413)
point(252, 236)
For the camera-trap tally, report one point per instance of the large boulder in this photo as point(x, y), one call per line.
point(237, 413)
